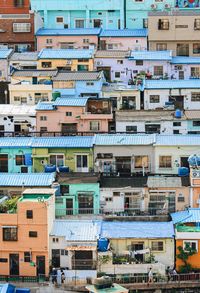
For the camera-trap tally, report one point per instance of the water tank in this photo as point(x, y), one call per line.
point(56, 187)
point(56, 95)
point(49, 169)
point(178, 113)
point(64, 169)
point(103, 244)
point(183, 171)
point(194, 161)
point(23, 290)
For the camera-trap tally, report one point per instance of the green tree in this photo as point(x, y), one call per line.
point(183, 255)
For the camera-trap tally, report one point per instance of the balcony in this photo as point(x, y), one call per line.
point(30, 87)
point(83, 264)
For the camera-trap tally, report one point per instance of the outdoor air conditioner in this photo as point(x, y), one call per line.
point(153, 6)
point(178, 67)
point(121, 193)
point(196, 174)
point(99, 62)
point(167, 5)
point(69, 62)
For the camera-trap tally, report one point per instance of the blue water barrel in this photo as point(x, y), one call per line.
point(103, 244)
point(183, 171)
point(64, 169)
point(56, 187)
point(49, 169)
point(178, 113)
point(23, 290)
point(194, 161)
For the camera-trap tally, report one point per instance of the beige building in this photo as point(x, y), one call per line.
point(175, 30)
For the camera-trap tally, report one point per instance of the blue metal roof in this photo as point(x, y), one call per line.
point(69, 32)
point(185, 60)
point(190, 215)
point(151, 55)
point(45, 106)
point(177, 140)
point(172, 84)
point(63, 142)
point(124, 33)
point(65, 54)
point(27, 179)
point(116, 230)
point(73, 230)
point(16, 142)
point(5, 53)
point(125, 139)
point(70, 101)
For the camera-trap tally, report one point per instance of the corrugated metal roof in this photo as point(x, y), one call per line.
point(69, 32)
point(163, 181)
point(25, 56)
point(185, 60)
point(116, 230)
point(27, 179)
point(63, 142)
point(34, 73)
point(151, 55)
point(125, 139)
point(17, 110)
point(124, 33)
point(172, 84)
point(193, 114)
point(191, 215)
point(111, 54)
point(177, 140)
point(146, 115)
point(79, 75)
point(76, 231)
point(45, 106)
point(5, 53)
point(16, 142)
point(73, 102)
point(65, 54)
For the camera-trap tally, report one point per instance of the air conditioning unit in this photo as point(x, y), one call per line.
point(196, 174)
point(69, 62)
point(98, 62)
point(121, 194)
point(178, 67)
point(153, 6)
point(167, 5)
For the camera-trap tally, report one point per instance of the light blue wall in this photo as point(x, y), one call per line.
point(190, 126)
point(12, 167)
point(86, 9)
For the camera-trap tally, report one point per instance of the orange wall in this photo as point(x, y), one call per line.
point(194, 260)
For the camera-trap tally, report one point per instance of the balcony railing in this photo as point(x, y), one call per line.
point(83, 264)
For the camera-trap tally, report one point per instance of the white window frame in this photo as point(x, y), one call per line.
point(82, 169)
point(194, 241)
point(25, 27)
point(57, 154)
point(79, 19)
point(59, 21)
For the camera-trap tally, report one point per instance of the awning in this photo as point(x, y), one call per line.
point(80, 247)
point(9, 226)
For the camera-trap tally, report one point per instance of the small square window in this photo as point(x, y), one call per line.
point(120, 61)
point(68, 114)
point(117, 74)
point(29, 214)
point(139, 62)
point(19, 160)
point(33, 234)
point(27, 256)
point(59, 19)
point(154, 98)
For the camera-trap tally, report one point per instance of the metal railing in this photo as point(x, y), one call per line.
point(128, 212)
point(24, 279)
point(83, 264)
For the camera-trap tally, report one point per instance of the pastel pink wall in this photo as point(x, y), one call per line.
point(56, 40)
point(126, 43)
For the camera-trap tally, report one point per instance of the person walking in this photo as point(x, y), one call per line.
point(150, 276)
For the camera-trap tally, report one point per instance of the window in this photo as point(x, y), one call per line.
point(154, 98)
point(195, 72)
point(94, 125)
point(64, 189)
point(79, 23)
point(68, 114)
point(157, 246)
point(120, 61)
point(130, 128)
point(17, 99)
point(57, 160)
point(41, 97)
point(29, 214)
point(10, 234)
point(90, 83)
point(64, 252)
point(110, 46)
point(83, 60)
point(108, 199)
point(21, 27)
point(176, 131)
point(59, 200)
point(116, 193)
point(141, 161)
point(27, 256)
point(43, 129)
point(3, 260)
point(182, 50)
point(176, 124)
point(97, 22)
point(139, 62)
point(23, 100)
point(165, 162)
point(196, 123)
point(19, 160)
point(49, 41)
point(197, 24)
point(55, 240)
point(196, 48)
point(59, 19)
point(86, 41)
point(117, 74)
point(163, 24)
point(158, 70)
point(33, 234)
point(195, 97)
point(46, 64)
point(181, 198)
point(145, 22)
point(43, 118)
point(190, 244)
point(161, 46)
point(19, 3)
